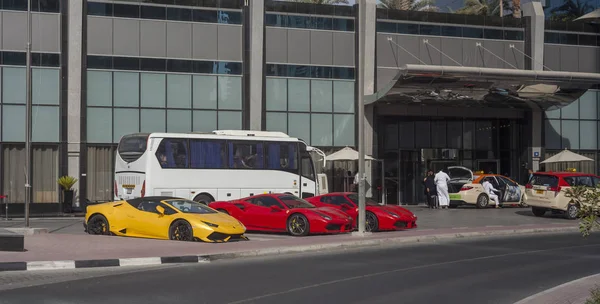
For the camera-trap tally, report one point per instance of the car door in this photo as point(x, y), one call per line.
point(149, 222)
point(512, 192)
point(261, 215)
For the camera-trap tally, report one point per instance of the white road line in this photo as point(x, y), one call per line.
point(494, 226)
point(460, 227)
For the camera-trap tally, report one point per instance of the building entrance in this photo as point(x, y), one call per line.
point(411, 146)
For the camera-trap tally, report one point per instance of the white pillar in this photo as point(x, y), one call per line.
point(257, 13)
point(74, 92)
point(369, 89)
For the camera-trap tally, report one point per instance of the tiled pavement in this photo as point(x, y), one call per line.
point(574, 292)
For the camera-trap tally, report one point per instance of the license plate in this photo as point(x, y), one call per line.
point(129, 190)
point(539, 191)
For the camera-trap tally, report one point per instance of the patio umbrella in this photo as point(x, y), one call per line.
point(566, 156)
point(592, 16)
point(346, 153)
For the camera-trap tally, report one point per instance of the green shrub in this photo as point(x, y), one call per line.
point(67, 182)
point(588, 200)
point(594, 297)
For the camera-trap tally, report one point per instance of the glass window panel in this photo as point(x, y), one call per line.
point(229, 120)
point(127, 121)
point(571, 111)
point(390, 137)
point(423, 140)
point(99, 125)
point(230, 93)
point(455, 133)
point(468, 131)
point(13, 78)
point(552, 134)
point(483, 135)
point(277, 122)
point(153, 120)
point(321, 130)
point(554, 114)
point(298, 95)
point(407, 134)
point(99, 88)
point(179, 121)
point(589, 134)
point(205, 92)
point(276, 94)
point(204, 121)
point(343, 96)
point(299, 126)
point(153, 89)
point(343, 134)
point(438, 134)
point(570, 134)
point(100, 180)
point(45, 86)
point(45, 120)
point(588, 105)
point(321, 95)
point(13, 123)
point(179, 91)
point(45, 171)
point(127, 89)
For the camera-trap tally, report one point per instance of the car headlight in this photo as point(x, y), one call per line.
point(327, 217)
point(210, 224)
point(392, 214)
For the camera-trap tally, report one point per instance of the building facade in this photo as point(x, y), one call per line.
point(102, 69)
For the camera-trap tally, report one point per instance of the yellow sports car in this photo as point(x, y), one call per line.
point(167, 218)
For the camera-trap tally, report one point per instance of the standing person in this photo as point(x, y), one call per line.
point(530, 171)
point(441, 181)
point(430, 190)
point(356, 180)
point(491, 191)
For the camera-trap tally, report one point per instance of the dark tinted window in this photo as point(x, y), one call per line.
point(126, 10)
point(493, 34)
point(47, 6)
point(153, 12)
point(471, 32)
point(513, 35)
point(228, 17)
point(544, 180)
point(570, 180)
point(246, 155)
point(207, 154)
point(132, 147)
point(430, 30)
point(265, 201)
point(584, 181)
point(150, 206)
point(587, 40)
point(337, 200)
point(281, 156)
point(596, 181)
point(452, 31)
point(295, 202)
point(181, 14)
point(307, 166)
point(172, 153)
point(99, 9)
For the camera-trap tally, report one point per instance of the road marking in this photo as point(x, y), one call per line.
point(405, 269)
point(494, 226)
point(460, 227)
point(47, 265)
point(139, 261)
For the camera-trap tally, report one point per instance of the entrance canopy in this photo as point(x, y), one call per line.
point(346, 153)
point(484, 87)
point(566, 156)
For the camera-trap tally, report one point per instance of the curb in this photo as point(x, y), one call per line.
point(147, 261)
point(27, 231)
point(557, 290)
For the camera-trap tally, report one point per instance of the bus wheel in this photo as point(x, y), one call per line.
point(203, 199)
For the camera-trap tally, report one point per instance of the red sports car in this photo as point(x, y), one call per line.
point(285, 213)
point(378, 217)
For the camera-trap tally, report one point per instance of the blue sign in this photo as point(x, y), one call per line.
point(536, 154)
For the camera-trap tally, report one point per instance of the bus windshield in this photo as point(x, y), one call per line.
point(132, 147)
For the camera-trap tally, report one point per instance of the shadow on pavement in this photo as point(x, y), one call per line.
point(548, 215)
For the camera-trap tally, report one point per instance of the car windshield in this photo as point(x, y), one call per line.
point(187, 206)
point(295, 202)
point(544, 180)
point(368, 201)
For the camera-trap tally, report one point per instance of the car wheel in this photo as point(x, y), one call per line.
point(572, 212)
point(298, 225)
point(181, 230)
point(223, 211)
point(538, 211)
point(98, 225)
point(203, 199)
point(371, 222)
point(522, 204)
point(482, 201)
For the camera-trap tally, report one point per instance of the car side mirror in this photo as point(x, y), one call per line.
point(276, 208)
point(346, 206)
point(160, 210)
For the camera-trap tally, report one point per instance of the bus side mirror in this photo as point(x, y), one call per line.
point(160, 210)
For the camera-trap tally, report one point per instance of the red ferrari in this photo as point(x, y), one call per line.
point(378, 217)
point(285, 213)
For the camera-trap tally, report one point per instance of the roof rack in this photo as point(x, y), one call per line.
point(250, 133)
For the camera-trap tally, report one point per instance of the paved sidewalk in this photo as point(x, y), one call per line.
point(61, 247)
point(574, 292)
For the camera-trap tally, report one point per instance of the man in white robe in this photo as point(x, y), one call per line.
point(491, 191)
point(441, 183)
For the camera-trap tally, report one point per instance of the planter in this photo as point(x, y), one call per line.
point(68, 201)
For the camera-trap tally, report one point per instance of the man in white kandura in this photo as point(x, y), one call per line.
point(491, 191)
point(441, 183)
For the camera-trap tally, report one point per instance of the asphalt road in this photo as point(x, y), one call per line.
point(483, 271)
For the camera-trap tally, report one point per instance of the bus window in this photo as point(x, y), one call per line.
point(132, 147)
point(207, 154)
point(307, 166)
point(246, 155)
point(172, 153)
point(281, 156)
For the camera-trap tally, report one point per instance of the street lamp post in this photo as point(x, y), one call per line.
point(362, 17)
point(28, 127)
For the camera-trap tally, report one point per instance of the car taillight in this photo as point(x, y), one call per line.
point(116, 190)
point(528, 186)
point(556, 189)
point(466, 188)
point(144, 189)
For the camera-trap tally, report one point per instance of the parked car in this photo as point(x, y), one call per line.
point(546, 192)
point(285, 213)
point(378, 217)
point(465, 188)
point(167, 218)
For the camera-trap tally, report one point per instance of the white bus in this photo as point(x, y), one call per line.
point(216, 166)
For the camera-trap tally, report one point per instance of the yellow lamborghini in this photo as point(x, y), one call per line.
point(163, 218)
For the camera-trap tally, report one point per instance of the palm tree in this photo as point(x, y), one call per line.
point(410, 5)
point(323, 1)
point(486, 7)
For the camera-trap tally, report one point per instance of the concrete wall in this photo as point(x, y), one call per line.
point(572, 58)
point(45, 30)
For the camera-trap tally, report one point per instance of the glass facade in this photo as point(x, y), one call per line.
point(320, 112)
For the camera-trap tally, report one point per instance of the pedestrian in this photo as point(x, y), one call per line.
point(355, 184)
point(441, 181)
point(530, 175)
point(430, 190)
point(491, 191)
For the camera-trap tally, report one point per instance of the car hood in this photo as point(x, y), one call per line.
point(218, 218)
point(459, 173)
point(332, 212)
point(397, 209)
